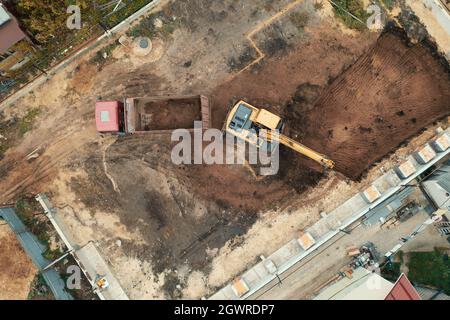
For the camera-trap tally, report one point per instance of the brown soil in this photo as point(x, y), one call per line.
point(17, 269)
point(389, 95)
point(273, 84)
point(170, 114)
point(82, 78)
point(183, 212)
point(176, 222)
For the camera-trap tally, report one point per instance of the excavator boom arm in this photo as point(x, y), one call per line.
point(308, 152)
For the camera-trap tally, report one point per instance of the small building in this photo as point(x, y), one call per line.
point(11, 58)
point(441, 143)
point(363, 284)
point(240, 287)
point(306, 241)
point(371, 194)
point(438, 186)
point(425, 154)
point(403, 290)
point(405, 169)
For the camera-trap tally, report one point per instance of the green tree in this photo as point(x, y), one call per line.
point(46, 19)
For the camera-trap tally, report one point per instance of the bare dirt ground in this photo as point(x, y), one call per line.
point(17, 269)
point(394, 91)
point(183, 231)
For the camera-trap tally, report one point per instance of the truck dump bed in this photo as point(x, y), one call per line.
point(160, 114)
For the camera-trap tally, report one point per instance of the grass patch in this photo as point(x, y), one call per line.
point(389, 3)
point(155, 25)
point(26, 123)
point(31, 214)
point(299, 19)
point(5, 137)
point(52, 255)
point(3, 148)
point(430, 269)
point(15, 128)
point(98, 58)
point(356, 8)
point(131, 7)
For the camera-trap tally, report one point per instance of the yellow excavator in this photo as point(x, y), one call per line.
point(245, 122)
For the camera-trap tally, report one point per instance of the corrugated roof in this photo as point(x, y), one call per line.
point(431, 294)
point(403, 290)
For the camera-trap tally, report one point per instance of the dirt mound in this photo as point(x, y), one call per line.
point(386, 97)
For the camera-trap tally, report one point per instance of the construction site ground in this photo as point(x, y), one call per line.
point(173, 231)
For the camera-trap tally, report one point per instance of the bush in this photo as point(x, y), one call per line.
point(430, 269)
point(356, 8)
point(389, 3)
point(318, 5)
point(26, 123)
point(147, 28)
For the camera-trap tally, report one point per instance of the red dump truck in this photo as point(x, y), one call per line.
point(152, 114)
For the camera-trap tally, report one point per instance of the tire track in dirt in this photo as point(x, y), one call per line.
point(23, 174)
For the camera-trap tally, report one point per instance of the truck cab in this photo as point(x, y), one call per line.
point(109, 117)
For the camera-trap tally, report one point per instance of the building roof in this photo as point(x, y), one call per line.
point(364, 285)
point(438, 186)
point(403, 290)
point(10, 32)
point(107, 116)
point(431, 294)
point(4, 16)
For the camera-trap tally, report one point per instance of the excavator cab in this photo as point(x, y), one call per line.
point(246, 122)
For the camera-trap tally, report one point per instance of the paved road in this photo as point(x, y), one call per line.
point(307, 277)
point(440, 12)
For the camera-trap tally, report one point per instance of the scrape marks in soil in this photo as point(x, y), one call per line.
point(390, 94)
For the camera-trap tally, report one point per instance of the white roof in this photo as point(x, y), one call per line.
point(364, 285)
point(4, 16)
